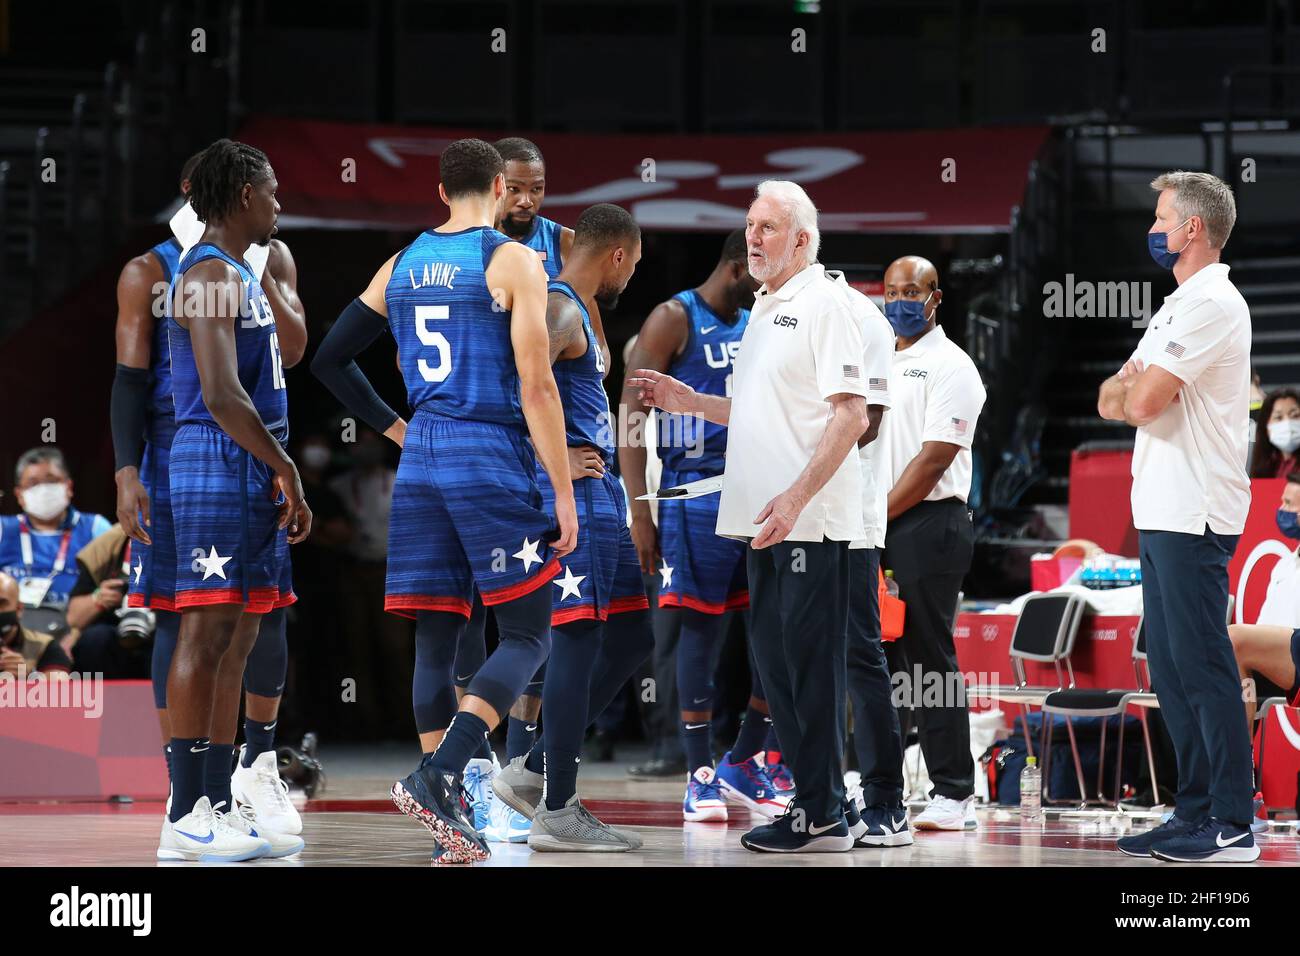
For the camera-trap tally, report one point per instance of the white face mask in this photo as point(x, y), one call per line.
point(46, 501)
point(1285, 435)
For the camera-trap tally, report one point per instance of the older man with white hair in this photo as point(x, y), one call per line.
point(792, 490)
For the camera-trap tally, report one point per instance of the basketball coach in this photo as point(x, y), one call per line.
point(792, 489)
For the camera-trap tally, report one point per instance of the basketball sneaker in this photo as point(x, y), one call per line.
point(885, 827)
point(439, 802)
point(505, 823)
point(857, 828)
point(944, 813)
point(203, 836)
point(781, 836)
point(519, 787)
point(573, 828)
point(1260, 823)
point(478, 784)
point(748, 784)
point(244, 819)
point(260, 785)
point(1214, 841)
point(1140, 844)
point(781, 777)
point(704, 800)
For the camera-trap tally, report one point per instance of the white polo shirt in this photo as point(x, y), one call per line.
point(937, 396)
point(877, 361)
point(1189, 465)
point(802, 345)
point(1282, 601)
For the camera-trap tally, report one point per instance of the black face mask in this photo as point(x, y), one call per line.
point(9, 619)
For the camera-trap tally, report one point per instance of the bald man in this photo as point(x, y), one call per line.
point(925, 443)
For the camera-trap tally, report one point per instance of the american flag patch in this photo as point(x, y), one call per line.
point(852, 371)
point(877, 384)
point(959, 425)
point(1176, 350)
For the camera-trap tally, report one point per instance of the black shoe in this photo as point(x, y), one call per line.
point(781, 836)
point(1140, 844)
point(600, 748)
point(439, 802)
point(659, 767)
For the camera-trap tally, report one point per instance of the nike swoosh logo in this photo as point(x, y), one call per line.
point(198, 750)
point(815, 831)
point(197, 839)
point(1218, 838)
point(699, 700)
point(695, 726)
point(898, 826)
point(270, 726)
point(530, 728)
point(708, 330)
point(464, 676)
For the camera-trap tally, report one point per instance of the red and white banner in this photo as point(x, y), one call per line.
point(346, 175)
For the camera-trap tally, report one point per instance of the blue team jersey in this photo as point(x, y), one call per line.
point(685, 442)
point(50, 557)
point(581, 382)
point(453, 340)
point(162, 409)
point(544, 239)
point(257, 351)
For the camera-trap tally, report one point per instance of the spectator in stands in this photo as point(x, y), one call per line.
point(1277, 435)
point(924, 455)
point(105, 641)
point(22, 651)
point(1271, 646)
point(1186, 388)
point(38, 546)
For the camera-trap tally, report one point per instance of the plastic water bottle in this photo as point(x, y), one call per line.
point(890, 584)
point(1031, 792)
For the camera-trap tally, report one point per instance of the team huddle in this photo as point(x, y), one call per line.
point(505, 501)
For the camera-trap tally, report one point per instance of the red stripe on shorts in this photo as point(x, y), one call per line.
point(405, 605)
point(526, 586)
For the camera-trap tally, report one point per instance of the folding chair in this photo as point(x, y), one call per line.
point(1045, 632)
point(1085, 702)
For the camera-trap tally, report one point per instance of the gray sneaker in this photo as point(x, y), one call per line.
point(575, 830)
point(518, 787)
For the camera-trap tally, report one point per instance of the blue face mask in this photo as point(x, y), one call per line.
point(1288, 522)
point(1158, 246)
point(907, 316)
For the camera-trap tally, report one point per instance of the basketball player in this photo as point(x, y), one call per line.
point(142, 412)
point(695, 337)
point(236, 499)
point(600, 619)
point(468, 310)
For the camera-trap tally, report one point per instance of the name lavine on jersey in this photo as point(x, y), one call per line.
point(435, 273)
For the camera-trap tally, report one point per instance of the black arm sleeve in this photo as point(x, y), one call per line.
point(127, 412)
point(336, 366)
point(86, 582)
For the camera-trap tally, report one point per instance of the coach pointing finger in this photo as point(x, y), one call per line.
point(792, 489)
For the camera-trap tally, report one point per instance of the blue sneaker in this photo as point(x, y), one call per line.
point(439, 802)
point(885, 827)
point(748, 784)
point(782, 836)
point(1260, 822)
point(703, 799)
point(1139, 844)
point(478, 784)
point(1214, 841)
point(781, 778)
point(505, 823)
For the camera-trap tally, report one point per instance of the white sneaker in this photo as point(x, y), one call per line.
point(944, 813)
point(477, 781)
point(261, 786)
point(244, 819)
point(203, 836)
point(505, 823)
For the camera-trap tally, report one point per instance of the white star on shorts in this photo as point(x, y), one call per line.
point(528, 554)
point(214, 564)
point(667, 574)
point(568, 584)
point(139, 567)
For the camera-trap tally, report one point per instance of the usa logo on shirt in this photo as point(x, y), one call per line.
point(1176, 350)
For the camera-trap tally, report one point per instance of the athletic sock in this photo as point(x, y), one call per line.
point(484, 751)
point(753, 732)
point(771, 744)
point(520, 737)
point(536, 761)
point(574, 649)
point(167, 756)
point(695, 741)
point(217, 775)
point(258, 739)
point(189, 759)
point(461, 741)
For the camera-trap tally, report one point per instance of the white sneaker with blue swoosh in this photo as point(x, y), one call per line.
point(203, 836)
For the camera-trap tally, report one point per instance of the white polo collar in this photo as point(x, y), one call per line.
point(931, 340)
point(1215, 270)
point(794, 284)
